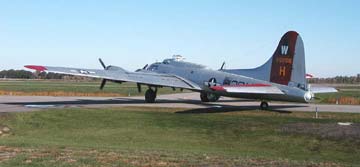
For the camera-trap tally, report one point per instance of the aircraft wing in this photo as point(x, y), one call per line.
point(318, 89)
point(248, 89)
point(114, 73)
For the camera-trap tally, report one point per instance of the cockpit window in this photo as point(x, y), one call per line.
point(166, 61)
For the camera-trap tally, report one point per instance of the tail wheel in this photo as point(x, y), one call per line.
point(264, 105)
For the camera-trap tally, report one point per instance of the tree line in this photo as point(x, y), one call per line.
point(337, 80)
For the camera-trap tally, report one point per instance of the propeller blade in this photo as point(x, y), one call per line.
point(102, 63)
point(145, 66)
point(103, 82)
point(222, 66)
point(139, 87)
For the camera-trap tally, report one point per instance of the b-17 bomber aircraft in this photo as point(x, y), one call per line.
point(281, 78)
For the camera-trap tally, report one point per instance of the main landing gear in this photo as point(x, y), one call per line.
point(209, 97)
point(264, 105)
point(150, 95)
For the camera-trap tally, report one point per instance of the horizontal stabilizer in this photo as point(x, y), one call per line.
point(317, 89)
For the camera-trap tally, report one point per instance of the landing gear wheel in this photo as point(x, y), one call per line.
point(264, 105)
point(203, 97)
point(209, 97)
point(150, 96)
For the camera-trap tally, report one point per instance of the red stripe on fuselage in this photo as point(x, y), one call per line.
point(223, 88)
point(217, 88)
point(249, 85)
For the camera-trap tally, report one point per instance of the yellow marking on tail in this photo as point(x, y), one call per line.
point(282, 71)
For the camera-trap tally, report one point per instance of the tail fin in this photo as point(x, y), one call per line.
point(288, 61)
point(286, 66)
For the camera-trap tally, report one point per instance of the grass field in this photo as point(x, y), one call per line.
point(348, 94)
point(170, 137)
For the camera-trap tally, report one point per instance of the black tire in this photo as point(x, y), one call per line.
point(150, 96)
point(264, 105)
point(208, 97)
point(213, 97)
point(203, 97)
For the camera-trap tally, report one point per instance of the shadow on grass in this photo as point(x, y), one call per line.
point(226, 108)
point(206, 107)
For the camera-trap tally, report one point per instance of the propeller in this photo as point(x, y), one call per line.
point(144, 68)
point(103, 82)
point(139, 87)
point(138, 84)
point(103, 64)
point(222, 66)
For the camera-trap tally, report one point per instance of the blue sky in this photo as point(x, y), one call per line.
point(132, 33)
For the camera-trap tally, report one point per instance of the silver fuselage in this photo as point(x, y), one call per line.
point(201, 74)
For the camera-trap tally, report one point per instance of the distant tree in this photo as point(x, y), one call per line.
point(16, 74)
point(337, 80)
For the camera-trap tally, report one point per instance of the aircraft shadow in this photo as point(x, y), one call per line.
point(225, 109)
point(99, 102)
point(210, 107)
point(119, 100)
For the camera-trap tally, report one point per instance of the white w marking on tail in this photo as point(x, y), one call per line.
point(284, 49)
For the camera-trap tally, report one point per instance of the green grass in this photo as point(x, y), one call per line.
point(350, 91)
point(29, 86)
point(341, 93)
point(164, 136)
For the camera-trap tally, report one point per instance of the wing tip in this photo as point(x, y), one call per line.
point(37, 68)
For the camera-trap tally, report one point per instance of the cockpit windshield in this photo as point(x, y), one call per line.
point(166, 61)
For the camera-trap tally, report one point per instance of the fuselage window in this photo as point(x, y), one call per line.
point(226, 81)
point(234, 82)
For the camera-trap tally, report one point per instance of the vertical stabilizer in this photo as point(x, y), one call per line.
point(288, 61)
point(286, 66)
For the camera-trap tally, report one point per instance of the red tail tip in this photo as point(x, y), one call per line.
point(37, 68)
point(309, 76)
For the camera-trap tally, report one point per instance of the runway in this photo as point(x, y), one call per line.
point(181, 100)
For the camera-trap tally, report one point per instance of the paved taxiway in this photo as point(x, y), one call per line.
point(181, 100)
